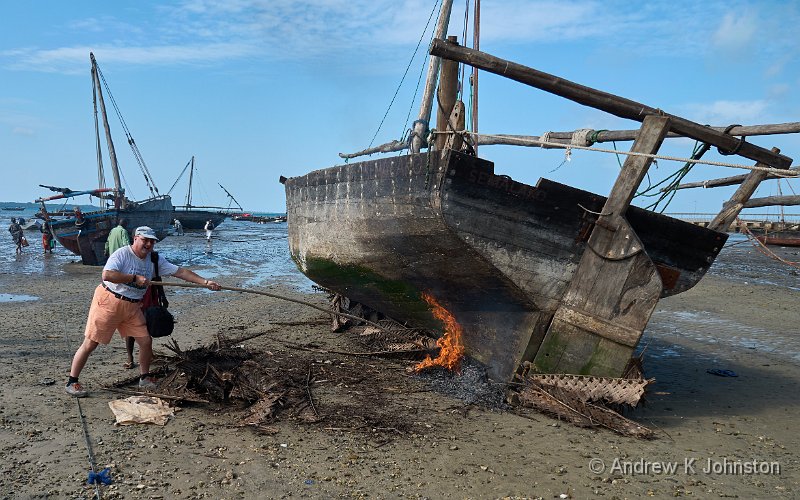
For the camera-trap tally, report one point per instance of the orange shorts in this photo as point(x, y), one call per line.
point(109, 313)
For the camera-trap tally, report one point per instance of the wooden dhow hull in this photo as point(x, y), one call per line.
point(498, 254)
point(780, 238)
point(87, 239)
point(196, 219)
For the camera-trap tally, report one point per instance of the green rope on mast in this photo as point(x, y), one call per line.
point(672, 181)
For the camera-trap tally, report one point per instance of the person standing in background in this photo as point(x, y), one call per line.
point(47, 237)
point(117, 238)
point(16, 234)
point(209, 227)
point(178, 227)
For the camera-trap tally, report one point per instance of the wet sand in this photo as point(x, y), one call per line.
point(402, 439)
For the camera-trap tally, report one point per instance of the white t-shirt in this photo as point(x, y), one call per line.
point(125, 261)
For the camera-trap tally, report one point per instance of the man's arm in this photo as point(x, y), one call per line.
point(125, 279)
point(192, 277)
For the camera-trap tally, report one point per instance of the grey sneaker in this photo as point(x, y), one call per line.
point(147, 383)
point(76, 389)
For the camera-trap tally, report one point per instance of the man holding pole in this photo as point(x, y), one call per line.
point(115, 305)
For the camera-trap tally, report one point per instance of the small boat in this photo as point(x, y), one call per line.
point(14, 209)
point(85, 234)
point(193, 216)
point(560, 279)
point(781, 239)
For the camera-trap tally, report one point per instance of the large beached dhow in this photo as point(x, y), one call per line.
point(547, 274)
point(85, 234)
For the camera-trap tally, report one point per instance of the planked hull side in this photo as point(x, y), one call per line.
point(88, 239)
point(196, 219)
point(497, 253)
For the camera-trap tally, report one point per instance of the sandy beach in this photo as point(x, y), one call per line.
point(383, 433)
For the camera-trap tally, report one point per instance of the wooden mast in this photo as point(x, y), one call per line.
point(421, 126)
point(189, 192)
point(446, 99)
point(119, 195)
point(476, 36)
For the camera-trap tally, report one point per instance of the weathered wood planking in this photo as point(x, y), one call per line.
point(497, 253)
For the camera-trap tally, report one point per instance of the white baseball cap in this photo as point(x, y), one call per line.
point(146, 231)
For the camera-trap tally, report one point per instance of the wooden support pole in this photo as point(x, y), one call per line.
point(731, 208)
point(446, 97)
point(597, 136)
point(771, 201)
point(619, 106)
point(421, 127)
point(725, 181)
point(616, 286)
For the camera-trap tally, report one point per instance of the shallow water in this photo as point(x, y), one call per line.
point(9, 297)
point(253, 255)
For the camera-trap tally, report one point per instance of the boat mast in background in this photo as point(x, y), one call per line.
point(97, 93)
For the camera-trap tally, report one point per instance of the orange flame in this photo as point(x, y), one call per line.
point(451, 344)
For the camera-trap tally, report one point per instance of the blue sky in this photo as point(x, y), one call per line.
point(259, 89)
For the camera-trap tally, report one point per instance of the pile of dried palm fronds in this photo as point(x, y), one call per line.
point(227, 373)
point(586, 401)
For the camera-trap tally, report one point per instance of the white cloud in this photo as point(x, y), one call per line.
point(22, 131)
point(720, 113)
point(736, 31)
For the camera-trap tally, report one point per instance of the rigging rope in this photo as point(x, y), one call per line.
point(151, 185)
point(675, 179)
point(771, 170)
point(405, 73)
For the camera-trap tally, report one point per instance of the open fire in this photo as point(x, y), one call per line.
point(451, 344)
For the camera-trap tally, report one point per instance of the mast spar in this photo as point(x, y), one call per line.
point(189, 191)
point(230, 196)
point(119, 198)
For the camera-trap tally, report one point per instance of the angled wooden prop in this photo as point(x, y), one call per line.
point(616, 286)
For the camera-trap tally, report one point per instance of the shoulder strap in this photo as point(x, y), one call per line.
point(159, 290)
point(154, 260)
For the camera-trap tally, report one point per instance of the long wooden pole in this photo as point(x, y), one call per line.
point(732, 208)
point(274, 296)
point(596, 136)
point(476, 44)
point(770, 201)
point(726, 181)
point(619, 106)
point(421, 127)
point(111, 152)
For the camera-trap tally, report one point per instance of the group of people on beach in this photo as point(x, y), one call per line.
point(18, 235)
